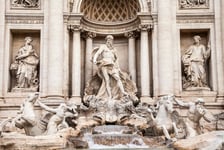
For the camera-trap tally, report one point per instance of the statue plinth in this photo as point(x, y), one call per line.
point(19, 90)
point(197, 89)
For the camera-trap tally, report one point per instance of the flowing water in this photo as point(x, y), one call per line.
point(114, 137)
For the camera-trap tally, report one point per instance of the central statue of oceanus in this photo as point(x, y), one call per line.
point(110, 88)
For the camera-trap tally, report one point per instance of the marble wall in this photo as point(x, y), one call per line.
point(152, 55)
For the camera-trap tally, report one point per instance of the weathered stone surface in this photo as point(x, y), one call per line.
point(220, 122)
point(12, 141)
point(208, 141)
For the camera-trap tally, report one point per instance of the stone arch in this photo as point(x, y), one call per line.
point(144, 7)
point(110, 11)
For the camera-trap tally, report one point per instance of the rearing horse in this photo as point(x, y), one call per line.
point(163, 122)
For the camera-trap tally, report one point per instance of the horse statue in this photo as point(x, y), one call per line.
point(28, 120)
point(164, 121)
point(62, 117)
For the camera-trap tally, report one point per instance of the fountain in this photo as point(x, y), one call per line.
point(110, 116)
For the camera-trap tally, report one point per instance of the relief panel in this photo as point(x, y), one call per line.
point(193, 4)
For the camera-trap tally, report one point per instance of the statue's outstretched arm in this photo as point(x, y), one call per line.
point(99, 51)
point(46, 107)
point(181, 103)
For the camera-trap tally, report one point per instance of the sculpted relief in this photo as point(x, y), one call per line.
point(25, 3)
point(194, 65)
point(25, 68)
point(186, 4)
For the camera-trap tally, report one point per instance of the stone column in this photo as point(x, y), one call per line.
point(66, 62)
point(2, 48)
point(76, 64)
point(88, 63)
point(131, 54)
point(165, 52)
point(55, 49)
point(219, 22)
point(144, 62)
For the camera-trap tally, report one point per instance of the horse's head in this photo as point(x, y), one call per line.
point(32, 97)
point(167, 102)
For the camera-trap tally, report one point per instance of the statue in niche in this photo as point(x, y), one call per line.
point(109, 82)
point(195, 113)
point(110, 91)
point(25, 3)
point(194, 61)
point(193, 3)
point(25, 65)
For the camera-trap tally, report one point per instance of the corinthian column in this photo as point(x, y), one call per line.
point(165, 50)
point(55, 49)
point(89, 48)
point(131, 54)
point(144, 62)
point(76, 64)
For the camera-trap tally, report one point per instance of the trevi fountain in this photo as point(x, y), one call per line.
point(111, 74)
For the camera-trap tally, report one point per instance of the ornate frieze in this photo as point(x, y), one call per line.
point(24, 19)
point(131, 34)
point(145, 27)
point(193, 4)
point(186, 18)
point(74, 28)
point(90, 35)
point(25, 4)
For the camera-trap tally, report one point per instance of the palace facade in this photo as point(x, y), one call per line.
point(46, 46)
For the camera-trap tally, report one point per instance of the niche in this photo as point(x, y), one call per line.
point(24, 60)
point(195, 59)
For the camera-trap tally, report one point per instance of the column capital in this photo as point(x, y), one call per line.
point(74, 27)
point(145, 27)
point(89, 35)
point(131, 34)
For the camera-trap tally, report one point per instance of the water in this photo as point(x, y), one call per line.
point(114, 141)
point(114, 137)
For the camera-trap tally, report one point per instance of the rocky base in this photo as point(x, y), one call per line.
point(102, 139)
point(209, 141)
point(16, 141)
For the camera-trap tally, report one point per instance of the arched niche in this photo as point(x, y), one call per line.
point(144, 7)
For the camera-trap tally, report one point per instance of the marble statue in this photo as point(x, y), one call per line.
point(110, 92)
point(28, 119)
point(109, 82)
point(25, 65)
point(60, 113)
point(107, 62)
point(164, 122)
point(63, 116)
point(196, 111)
point(194, 61)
